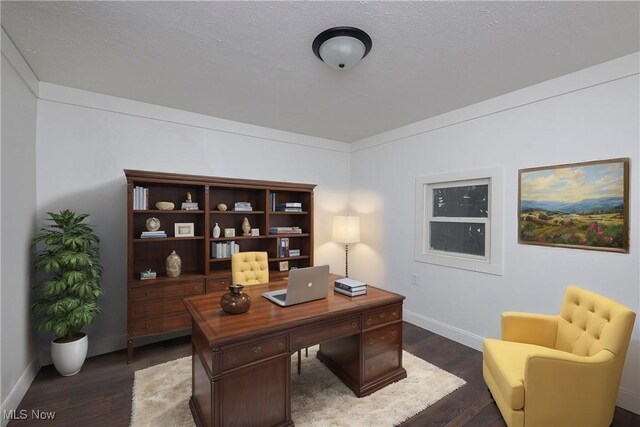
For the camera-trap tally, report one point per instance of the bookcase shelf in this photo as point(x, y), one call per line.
point(154, 305)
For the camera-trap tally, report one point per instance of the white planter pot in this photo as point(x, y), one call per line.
point(68, 357)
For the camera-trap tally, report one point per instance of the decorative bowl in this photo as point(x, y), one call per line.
point(165, 206)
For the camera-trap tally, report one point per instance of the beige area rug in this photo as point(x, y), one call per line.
point(161, 394)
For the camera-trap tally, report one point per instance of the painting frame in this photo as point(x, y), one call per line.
point(183, 229)
point(589, 223)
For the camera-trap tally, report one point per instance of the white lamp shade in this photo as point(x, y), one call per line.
point(342, 52)
point(346, 229)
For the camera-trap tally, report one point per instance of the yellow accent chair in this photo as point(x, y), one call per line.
point(249, 268)
point(560, 370)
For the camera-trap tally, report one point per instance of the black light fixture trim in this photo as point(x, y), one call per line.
point(338, 32)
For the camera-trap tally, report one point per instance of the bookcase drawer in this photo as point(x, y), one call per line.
point(306, 337)
point(218, 284)
point(380, 339)
point(160, 324)
point(166, 291)
point(144, 310)
point(254, 351)
point(382, 316)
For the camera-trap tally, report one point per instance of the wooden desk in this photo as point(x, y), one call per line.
point(241, 363)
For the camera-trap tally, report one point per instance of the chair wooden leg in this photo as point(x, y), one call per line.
point(299, 361)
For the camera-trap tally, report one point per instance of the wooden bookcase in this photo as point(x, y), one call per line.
point(155, 306)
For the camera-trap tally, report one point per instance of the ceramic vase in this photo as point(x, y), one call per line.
point(235, 301)
point(174, 265)
point(216, 231)
point(68, 357)
point(246, 227)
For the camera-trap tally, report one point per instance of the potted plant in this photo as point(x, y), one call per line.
point(66, 297)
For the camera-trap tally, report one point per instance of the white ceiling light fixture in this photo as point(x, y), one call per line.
point(342, 47)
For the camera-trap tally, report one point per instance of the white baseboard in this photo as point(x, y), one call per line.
point(447, 331)
point(626, 399)
point(18, 391)
point(629, 401)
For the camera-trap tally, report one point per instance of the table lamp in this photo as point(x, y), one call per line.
point(346, 229)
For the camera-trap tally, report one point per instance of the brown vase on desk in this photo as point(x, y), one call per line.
point(235, 301)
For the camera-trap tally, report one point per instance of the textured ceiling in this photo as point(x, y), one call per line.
point(252, 62)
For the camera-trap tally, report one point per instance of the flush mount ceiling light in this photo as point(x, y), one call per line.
point(342, 47)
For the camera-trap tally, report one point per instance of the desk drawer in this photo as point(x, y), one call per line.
point(381, 364)
point(182, 290)
point(160, 324)
point(303, 338)
point(380, 339)
point(252, 352)
point(382, 316)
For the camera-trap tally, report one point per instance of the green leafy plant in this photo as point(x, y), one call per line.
point(67, 297)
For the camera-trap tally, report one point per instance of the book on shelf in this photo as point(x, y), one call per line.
point(224, 250)
point(283, 247)
point(349, 293)
point(152, 234)
point(289, 207)
point(285, 230)
point(242, 206)
point(189, 206)
point(349, 284)
point(294, 252)
point(140, 198)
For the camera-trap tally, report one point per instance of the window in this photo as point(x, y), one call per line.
point(459, 220)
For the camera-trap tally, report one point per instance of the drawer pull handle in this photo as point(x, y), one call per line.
point(257, 349)
point(395, 314)
point(382, 315)
point(299, 339)
point(368, 320)
point(195, 288)
point(383, 337)
point(280, 345)
point(146, 293)
point(146, 309)
point(394, 333)
point(354, 325)
point(370, 341)
point(146, 327)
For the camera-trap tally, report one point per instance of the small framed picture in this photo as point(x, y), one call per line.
point(284, 265)
point(229, 232)
point(183, 229)
point(255, 231)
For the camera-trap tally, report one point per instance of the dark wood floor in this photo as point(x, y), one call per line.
point(100, 395)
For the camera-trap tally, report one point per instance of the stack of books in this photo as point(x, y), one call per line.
point(242, 207)
point(152, 234)
point(285, 230)
point(140, 198)
point(289, 207)
point(350, 287)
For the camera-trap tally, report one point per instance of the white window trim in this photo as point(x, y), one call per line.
point(492, 262)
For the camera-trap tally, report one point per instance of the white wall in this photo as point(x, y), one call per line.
point(597, 121)
point(85, 141)
point(18, 200)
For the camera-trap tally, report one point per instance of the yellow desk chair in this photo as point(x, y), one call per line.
point(560, 370)
point(252, 268)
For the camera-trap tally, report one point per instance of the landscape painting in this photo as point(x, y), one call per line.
point(581, 205)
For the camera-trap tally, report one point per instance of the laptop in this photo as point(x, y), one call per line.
point(305, 284)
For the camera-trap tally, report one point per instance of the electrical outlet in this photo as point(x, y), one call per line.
point(415, 279)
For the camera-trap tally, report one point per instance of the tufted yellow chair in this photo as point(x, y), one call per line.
point(561, 370)
point(249, 268)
